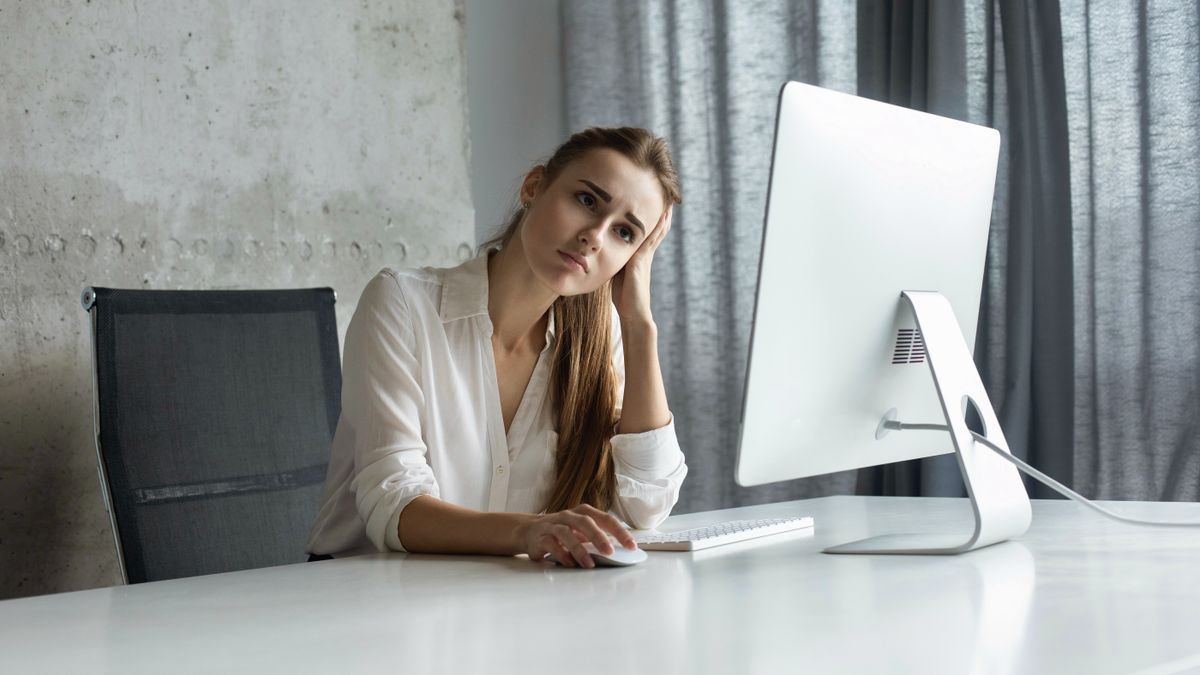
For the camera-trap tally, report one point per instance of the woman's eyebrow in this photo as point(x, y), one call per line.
point(608, 199)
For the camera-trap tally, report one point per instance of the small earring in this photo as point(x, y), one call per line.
point(524, 205)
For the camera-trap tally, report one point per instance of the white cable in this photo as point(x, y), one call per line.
point(1047, 480)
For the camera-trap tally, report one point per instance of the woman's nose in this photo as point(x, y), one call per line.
point(591, 236)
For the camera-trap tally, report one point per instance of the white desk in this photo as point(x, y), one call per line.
point(1076, 594)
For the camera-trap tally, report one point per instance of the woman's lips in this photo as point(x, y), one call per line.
point(573, 261)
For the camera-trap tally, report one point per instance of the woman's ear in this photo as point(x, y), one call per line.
point(532, 183)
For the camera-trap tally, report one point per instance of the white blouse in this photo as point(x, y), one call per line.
point(421, 416)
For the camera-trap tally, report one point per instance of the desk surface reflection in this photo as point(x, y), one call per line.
point(1074, 594)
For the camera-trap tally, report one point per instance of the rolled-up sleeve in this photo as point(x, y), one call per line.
point(382, 401)
point(649, 465)
point(650, 470)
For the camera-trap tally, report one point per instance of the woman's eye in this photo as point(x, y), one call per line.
point(585, 199)
point(625, 234)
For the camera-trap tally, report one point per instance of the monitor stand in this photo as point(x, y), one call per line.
point(998, 497)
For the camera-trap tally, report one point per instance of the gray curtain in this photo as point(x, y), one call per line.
point(1090, 318)
point(1099, 103)
point(1133, 110)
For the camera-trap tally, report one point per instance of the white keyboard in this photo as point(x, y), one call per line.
point(720, 533)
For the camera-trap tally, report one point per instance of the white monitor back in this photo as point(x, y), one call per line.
point(866, 200)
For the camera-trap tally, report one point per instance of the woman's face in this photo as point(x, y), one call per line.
point(582, 228)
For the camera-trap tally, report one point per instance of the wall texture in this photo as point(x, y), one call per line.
point(220, 144)
point(514, 74)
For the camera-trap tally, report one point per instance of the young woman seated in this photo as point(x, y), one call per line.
point(515, 404)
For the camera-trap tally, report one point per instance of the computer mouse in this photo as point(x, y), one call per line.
point(620, 557)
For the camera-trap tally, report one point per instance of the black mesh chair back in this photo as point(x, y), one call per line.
point(214, 415)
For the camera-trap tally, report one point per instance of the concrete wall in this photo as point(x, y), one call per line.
point(514, 70)
point(218, 144)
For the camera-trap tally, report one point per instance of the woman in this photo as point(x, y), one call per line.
point(482, 405)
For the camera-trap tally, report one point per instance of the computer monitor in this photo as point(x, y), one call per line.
point(869, 284)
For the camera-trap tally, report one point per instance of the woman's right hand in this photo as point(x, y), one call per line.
point(562, 534)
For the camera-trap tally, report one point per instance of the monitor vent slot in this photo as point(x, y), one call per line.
point(910, 347)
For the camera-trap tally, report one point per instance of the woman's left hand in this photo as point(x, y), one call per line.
point(631, 286)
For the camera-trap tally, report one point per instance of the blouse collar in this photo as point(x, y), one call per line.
point(465, 293)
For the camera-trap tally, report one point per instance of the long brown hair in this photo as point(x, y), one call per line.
point(583, 384)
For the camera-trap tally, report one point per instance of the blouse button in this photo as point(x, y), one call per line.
point(499, 471)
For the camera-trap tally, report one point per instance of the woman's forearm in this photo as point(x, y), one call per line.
point(430, 525)
point(645, 403)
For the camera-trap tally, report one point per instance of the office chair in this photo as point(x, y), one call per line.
point(214, 412)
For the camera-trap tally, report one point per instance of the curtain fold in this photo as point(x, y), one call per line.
point(1038, 379)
